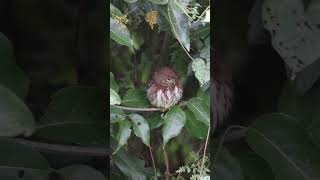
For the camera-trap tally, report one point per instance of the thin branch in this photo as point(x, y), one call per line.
point(181, 104)
point(154, 166)
point(166, 161)
point(204, 151)
point(63, 149)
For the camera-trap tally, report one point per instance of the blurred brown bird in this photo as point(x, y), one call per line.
point(221, 90)
point(164, 88)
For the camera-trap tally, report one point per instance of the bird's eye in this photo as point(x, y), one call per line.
point(168, 79)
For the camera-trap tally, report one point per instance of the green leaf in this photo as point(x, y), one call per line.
point(226, 167)
point(81, 172)
point(179, 25)
point(15, 158)
point(155, 120)
point(115, 10)
point(205, 54)
point(113, 83)
point(141, 128)
point(135, 98)
point(174, 121)
point(253, 166)
point(159, 1)
point(201, 70)
point(75, 132)
point(197, 128)
point(114, 98)
point(116, 114)
point(124, 134)
point(120, 33)
point(201, 31)
point(15, 117)
point(199, 109)
point(75, 114)
point(131, 166)
point(295, 33)
point(11, 75)
point(289, 150)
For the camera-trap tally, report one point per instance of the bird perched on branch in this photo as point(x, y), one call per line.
point(221, 90)
point(164, 88)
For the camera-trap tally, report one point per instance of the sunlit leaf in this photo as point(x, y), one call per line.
point(114, 98)
point(201, 69)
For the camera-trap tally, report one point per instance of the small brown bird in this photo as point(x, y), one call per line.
point(164, 89)
point(221, 90)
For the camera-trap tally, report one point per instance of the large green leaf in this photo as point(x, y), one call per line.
point(81, 172)
point(75, 114)
point(131, 166)
point(287, 147)
point(295, 33)
point(124, 134)
point(135, 98)
point(226, 167)
point(253, 166)
point(141, 128)
point(197, 128)
point(18, 159)
point(120, 33)
point(116, 114)
point(15, 117)
point(174, 121)
point(304, 108)
point(11, 75)
point(155, 120)
point(201, 69)
point(114, 97)
point(199, 109)
point(179, 25)
point(113, 83)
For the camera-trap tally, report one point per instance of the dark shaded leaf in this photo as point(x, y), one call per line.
point(15, 117)
point(287, 147)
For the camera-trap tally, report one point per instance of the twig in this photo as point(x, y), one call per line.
point(166, 161)
point(204, 151)
point(63, 149)
point(154, 166)
point(138, 109)
point(181, 104)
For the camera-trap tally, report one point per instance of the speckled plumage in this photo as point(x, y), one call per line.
point(164, 89)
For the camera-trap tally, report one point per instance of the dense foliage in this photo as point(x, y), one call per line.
point(146, 34)
point(52, 80)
